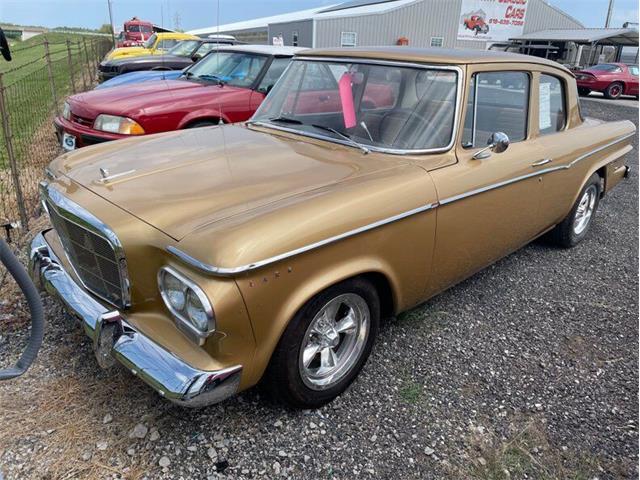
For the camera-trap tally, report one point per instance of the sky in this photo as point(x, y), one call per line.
point(192, 14)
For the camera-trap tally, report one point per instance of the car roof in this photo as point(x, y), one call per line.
point(264, 49)
point(177, 35)
point(432, 55)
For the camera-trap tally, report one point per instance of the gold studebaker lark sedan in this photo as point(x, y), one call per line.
point(368, 181)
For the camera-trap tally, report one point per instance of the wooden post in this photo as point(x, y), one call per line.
point(82, 70)
point(13, 164)
point(70, 64)
point(86, 54)
point(52, 83)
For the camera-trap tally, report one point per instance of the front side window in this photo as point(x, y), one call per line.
point(497, 102)
point(348, 39)
point(272, 75)
point(552, 114)
point(380, 106)
point(633, 69)
point(184, 48)
point(151, 41)
point(239, 69)
point(167, 44)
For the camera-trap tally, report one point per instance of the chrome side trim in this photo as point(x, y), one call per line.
point(74, 213)
point(228, 271)
point(373, 148)
point(214, 270)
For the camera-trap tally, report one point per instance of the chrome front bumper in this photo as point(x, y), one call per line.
point(170, 376)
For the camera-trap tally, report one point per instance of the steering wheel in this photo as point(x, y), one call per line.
point(4, 46)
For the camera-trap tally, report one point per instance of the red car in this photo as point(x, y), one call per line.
point(135, 33)
point(477, 24)
point(227, 85)
point(612, 79)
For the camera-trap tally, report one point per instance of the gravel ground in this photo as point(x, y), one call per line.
point(527, 370)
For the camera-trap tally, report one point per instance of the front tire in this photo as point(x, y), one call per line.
point(614, 91)
point(574, 228)
point(325, 345)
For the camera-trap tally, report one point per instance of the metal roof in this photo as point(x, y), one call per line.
point(257, 23)
point(264, 49)
point(362, 8)
point(354, 3)
point(616, 36)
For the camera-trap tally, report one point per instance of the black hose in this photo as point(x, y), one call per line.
point(21, 277)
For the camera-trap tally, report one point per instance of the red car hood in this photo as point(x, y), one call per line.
point(132, 100)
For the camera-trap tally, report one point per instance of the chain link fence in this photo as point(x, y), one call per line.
point(31, 94)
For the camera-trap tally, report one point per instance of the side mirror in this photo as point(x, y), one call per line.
point(498, 142)
point(4, 46)
point(195, 57)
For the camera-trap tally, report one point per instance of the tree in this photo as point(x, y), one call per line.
point(105, 28)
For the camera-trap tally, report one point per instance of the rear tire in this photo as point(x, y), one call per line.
point(583, 91)
point(303, 373)
point(575, 227)
point(614, 91)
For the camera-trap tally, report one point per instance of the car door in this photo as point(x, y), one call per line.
point(488, 207)
point(632, 82)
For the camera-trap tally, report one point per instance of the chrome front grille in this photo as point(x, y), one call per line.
point(97, 262)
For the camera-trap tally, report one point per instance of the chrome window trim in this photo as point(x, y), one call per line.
point(229, 271)
point(393, 151)
point(181, 320)
point(77, 215)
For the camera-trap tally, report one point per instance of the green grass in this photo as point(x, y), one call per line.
point(411, 391)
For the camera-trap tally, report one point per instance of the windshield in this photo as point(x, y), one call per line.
point(184, 49)
point(235, 68)
point(383, 106)
point(149, 43)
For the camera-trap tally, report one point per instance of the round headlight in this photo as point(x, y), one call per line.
point(175, 291)
point(196, 312)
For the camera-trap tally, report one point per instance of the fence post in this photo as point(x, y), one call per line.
point(86, 54)
point(13, 164)
point(70, 63)
point(96, 60)
point(52, 82)
point(84, 79)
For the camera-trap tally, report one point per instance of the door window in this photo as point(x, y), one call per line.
point(552, 115)
point(273, 74)
point(497, 102)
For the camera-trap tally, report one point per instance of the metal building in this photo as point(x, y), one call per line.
point(420, 23)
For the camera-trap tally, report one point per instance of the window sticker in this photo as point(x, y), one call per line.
point(545, 106)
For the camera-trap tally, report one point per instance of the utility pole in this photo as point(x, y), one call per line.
point(609, 14)
point(113, 35)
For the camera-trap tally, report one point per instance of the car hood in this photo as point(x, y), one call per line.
point(182, 181)
point(147, 58)
point(140, 76)
point(131, 100)
point(127, 51)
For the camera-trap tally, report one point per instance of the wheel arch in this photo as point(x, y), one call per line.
point(206, 116)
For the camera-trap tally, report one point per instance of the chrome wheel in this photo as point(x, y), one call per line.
point(585, 210)
point(334, 341)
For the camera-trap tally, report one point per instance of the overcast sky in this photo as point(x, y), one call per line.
point(193, 14)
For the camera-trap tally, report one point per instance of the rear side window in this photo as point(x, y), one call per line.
point(497, 102)
point(552, 114)
point(634, 70)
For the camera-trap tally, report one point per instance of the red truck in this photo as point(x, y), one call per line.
point(135, 33)
point(477, 24)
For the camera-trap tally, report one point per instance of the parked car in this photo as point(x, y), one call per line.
point(206, 260)
point(225, 86)
point(135, 32)
point(477, 24)
point(612, 79)
point(180, 56)
point(157, 44)
point(139, 77)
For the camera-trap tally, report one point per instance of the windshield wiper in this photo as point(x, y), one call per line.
point(364, 149)
point(211, 78)
point(283, 119)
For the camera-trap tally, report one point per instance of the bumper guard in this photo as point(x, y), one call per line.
point(170, 376)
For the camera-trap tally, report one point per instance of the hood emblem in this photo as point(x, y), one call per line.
point(107, 177)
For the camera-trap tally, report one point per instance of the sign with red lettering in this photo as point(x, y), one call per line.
point(491, 20)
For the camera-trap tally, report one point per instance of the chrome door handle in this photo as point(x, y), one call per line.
point(541, 162)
